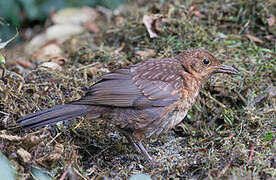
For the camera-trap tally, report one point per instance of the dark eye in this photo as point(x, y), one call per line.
point(206, 61)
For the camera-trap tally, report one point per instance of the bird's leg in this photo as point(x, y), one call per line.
point(144, 151)
point(130, 140)
point(137, 145)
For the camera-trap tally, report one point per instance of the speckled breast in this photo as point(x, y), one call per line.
point(178, 110)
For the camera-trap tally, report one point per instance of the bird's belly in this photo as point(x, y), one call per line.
point(179, 111)
point(176, 117)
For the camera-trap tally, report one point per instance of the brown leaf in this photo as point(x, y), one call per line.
point(97, 67)
point(145, 54)
point(197, 14)
point(74, 15)
point(24, 155)
point(92, 71)
point(46, 52)
point(254, 38)
point(56, 153)
point(51, 65)
point(92, 27)
point(55, 33)
point(271, 20)
point(62, 32)
point(150, 23)
point(53, 157)
point(60, 60)
point(36, 43)
point(31, 140)
point(24, 63)
point(5, 136)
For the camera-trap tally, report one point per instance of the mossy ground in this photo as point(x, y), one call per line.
point(229, 133)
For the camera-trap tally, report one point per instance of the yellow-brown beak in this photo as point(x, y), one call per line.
point(226, 69)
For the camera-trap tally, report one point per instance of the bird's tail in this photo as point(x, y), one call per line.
point(52, 115)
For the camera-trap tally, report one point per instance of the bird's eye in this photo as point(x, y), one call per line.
point(206, 61)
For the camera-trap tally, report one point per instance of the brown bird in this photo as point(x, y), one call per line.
point(143, 100)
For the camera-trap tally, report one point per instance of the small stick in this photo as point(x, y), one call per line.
point(214, 99)
point(251, 154)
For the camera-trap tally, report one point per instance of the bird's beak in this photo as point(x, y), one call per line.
point(226, 69)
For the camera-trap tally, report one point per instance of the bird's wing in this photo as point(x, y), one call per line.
point(121, 89)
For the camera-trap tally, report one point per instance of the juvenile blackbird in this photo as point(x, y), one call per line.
point(143, 100)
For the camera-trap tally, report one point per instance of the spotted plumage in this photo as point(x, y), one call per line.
point(143, 100)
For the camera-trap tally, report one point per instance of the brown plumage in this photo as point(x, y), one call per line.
point(145, 99)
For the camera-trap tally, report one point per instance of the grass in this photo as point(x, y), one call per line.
point(229, 132)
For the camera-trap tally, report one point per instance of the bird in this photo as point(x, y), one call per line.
point(142, 100)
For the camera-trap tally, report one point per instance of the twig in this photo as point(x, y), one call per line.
point(76, 171)
point(214, 99)
point(251, 154)
point(231, 136)
point(88, 66)
point(54, 138)
point(2, 112)
point(240, 96)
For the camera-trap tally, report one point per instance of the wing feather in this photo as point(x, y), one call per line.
point(123, 88)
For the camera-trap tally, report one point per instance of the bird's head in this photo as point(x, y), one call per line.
point(202, 64)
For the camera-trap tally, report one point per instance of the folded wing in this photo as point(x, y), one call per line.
point(121, 89)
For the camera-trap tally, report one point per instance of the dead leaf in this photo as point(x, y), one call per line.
point(145, 54)
point(150, 23)
point(36, 43)
point(24, 63)
point(56, 33)
point(271, 20)
point(51, 49)
point(31, 140)
point(60, 60)
point(92, 27)
point(56, 153)
point(62, 32)
point(51, 65)
point(94, 69)
point(46, 52)
point(24, 155)
point(53, 157)
point(197, 13)
point(75, 16)
point(254, 38)
point(5, 136)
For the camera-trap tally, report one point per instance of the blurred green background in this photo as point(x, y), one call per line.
point(27, 13)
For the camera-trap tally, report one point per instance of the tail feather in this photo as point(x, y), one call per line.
point(52, 115)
